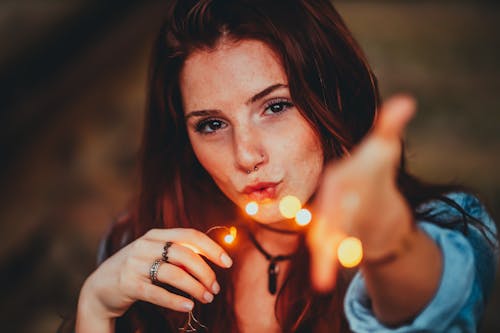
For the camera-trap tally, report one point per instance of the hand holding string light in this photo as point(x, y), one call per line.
point(192, 324)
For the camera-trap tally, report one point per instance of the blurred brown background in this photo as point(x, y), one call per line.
point(72, 79)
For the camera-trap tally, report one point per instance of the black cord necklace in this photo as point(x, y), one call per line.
point(280, 231)
point(273, 269)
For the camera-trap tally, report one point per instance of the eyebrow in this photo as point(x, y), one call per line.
point(253, 99)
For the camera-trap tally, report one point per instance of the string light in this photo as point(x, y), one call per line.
point(231, 236)
point(252, 208)
point(289, 206)
point(228, 239)
point(192, 324)
point(350, 252)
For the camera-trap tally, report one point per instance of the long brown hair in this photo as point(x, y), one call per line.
point(335, 90)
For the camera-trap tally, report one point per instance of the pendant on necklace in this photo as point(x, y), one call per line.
point(273, 276)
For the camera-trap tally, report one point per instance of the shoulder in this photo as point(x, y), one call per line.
point(468, 201)
point(465, 223)
point(461, 211)
point(119, 234)
point(458, 209)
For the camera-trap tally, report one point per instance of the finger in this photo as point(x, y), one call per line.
point(323, 242)
point(194, 239)
point(382, 147)
point(151, 293)
point(395, 114)
point(180, 256)
point(195, 265)
point(180, 279)
point(325, 264)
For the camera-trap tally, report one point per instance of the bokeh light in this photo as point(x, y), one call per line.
point(231, 236)
point(303, 217)
point(350, 252)
point(252, 208)
point(289, 206)
point(228, 239)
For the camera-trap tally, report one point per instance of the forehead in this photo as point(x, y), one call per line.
point(233, 70)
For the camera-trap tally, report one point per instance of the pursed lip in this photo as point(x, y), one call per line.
point(262, 190)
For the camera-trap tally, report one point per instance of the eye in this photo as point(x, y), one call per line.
point(209, 126)
point(278, 105)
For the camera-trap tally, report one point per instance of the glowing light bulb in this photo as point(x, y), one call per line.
point(231, 236)
point(350, 252)
point(303, 217)
point(228, 239)
point(289, 206)
point(252, 208)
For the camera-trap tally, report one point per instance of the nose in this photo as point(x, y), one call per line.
point(248, 149)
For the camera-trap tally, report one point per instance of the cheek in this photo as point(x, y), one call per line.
point(312, 163)
point(209, 158)
point(305, 159)
point(204, 156)
point(306, 148)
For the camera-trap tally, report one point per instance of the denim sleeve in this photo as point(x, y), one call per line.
point(469, 266)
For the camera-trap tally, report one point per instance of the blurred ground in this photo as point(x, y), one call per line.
point(73, 82)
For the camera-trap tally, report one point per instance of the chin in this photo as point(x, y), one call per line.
point(267, 219)
point(267, 214)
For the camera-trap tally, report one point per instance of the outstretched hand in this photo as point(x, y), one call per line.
point(358, 196)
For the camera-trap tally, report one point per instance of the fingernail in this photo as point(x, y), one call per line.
point(188, 306)
point(215, 287)
point(226, 260)
point(208, 297)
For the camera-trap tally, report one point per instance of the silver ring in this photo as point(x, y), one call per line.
point(153, 271)
point(164, 254)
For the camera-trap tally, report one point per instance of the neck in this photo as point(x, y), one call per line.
point(274, 241)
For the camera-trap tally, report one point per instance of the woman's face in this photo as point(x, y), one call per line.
point(240, 118)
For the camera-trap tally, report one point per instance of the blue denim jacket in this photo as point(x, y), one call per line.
point(467, 279)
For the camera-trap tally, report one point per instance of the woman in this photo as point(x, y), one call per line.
point(254, 101)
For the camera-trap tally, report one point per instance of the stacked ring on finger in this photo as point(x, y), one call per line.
point(164, 255)
point(153, 271)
